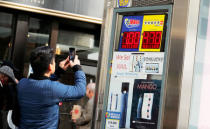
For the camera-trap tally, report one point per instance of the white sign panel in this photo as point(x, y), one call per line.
point(137, 64)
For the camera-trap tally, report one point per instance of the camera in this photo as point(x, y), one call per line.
point(72, 53)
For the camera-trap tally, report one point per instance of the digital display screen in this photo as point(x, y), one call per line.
point(151, 39)
point(130, 40)
point(142, 33)
point(130, 34)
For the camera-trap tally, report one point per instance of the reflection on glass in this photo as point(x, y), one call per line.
point(199, 112)
point(85, 39)
point(38, 35)
point(5, 35)
point(85, 42)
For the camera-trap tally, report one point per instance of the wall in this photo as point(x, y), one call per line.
point(93, 8)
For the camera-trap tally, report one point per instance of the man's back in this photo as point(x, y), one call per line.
point(39, 100)
point(36, 104)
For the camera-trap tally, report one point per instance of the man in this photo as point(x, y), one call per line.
point(38, 96)
point(15, 70)
point(84, 122)
point(7, 94)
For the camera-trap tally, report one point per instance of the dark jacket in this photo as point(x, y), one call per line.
point(39, 98)
point(84, 122)
point(8, 99)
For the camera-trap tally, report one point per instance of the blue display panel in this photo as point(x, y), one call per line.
point(130, 33)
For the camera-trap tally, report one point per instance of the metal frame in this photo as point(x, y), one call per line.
point(181, 61)
point(102, 63)
point(188, 65)
point(112, 44)
point(20, 41)
point(54, 35)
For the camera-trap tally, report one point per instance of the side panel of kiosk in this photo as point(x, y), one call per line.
point(138, 63)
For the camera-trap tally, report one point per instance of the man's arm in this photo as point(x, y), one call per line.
point(63, 65)
point(67, 92)
point(57, 74)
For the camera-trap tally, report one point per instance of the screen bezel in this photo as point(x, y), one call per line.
point(119, 28)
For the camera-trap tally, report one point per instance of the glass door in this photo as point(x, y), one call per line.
point(38, 35)
point(6, 29)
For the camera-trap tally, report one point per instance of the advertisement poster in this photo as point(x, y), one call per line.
point(145, 104)
point(120, 96)
point(127, 64)
point(152, 31)
point(131, 90)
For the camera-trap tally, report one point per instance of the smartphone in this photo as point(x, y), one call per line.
point(72, 53)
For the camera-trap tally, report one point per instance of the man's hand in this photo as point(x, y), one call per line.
point(64, 64)
point(76, 61)
point(74, 120)
point(16, 81)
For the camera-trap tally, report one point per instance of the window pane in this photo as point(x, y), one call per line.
point(83, 37)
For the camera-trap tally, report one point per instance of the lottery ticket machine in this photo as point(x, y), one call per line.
point(136, 82)
point(138, 59)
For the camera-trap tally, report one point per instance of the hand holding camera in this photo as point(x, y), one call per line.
point(71, 60)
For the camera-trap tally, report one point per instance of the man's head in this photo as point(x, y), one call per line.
point(42, 60)
point(6, 75)
point(90, 91)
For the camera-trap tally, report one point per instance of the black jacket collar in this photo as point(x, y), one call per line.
point(38, 77)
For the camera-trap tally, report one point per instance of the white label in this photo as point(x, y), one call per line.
point(112, 124)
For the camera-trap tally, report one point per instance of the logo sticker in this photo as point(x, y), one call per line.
point(123, 3)
point(131, 23)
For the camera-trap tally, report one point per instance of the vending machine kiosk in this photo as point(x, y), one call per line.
point(137, 67)
point(139, 87)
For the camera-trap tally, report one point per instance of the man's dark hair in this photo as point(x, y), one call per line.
point(40, 59)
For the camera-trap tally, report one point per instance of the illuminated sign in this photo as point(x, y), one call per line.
point(130, 33)
point(130, 40)
point(141, 33)
point(151, 39)
point(152, 31)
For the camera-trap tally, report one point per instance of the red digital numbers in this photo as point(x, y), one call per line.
point(130, 40)
point(151, 39)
